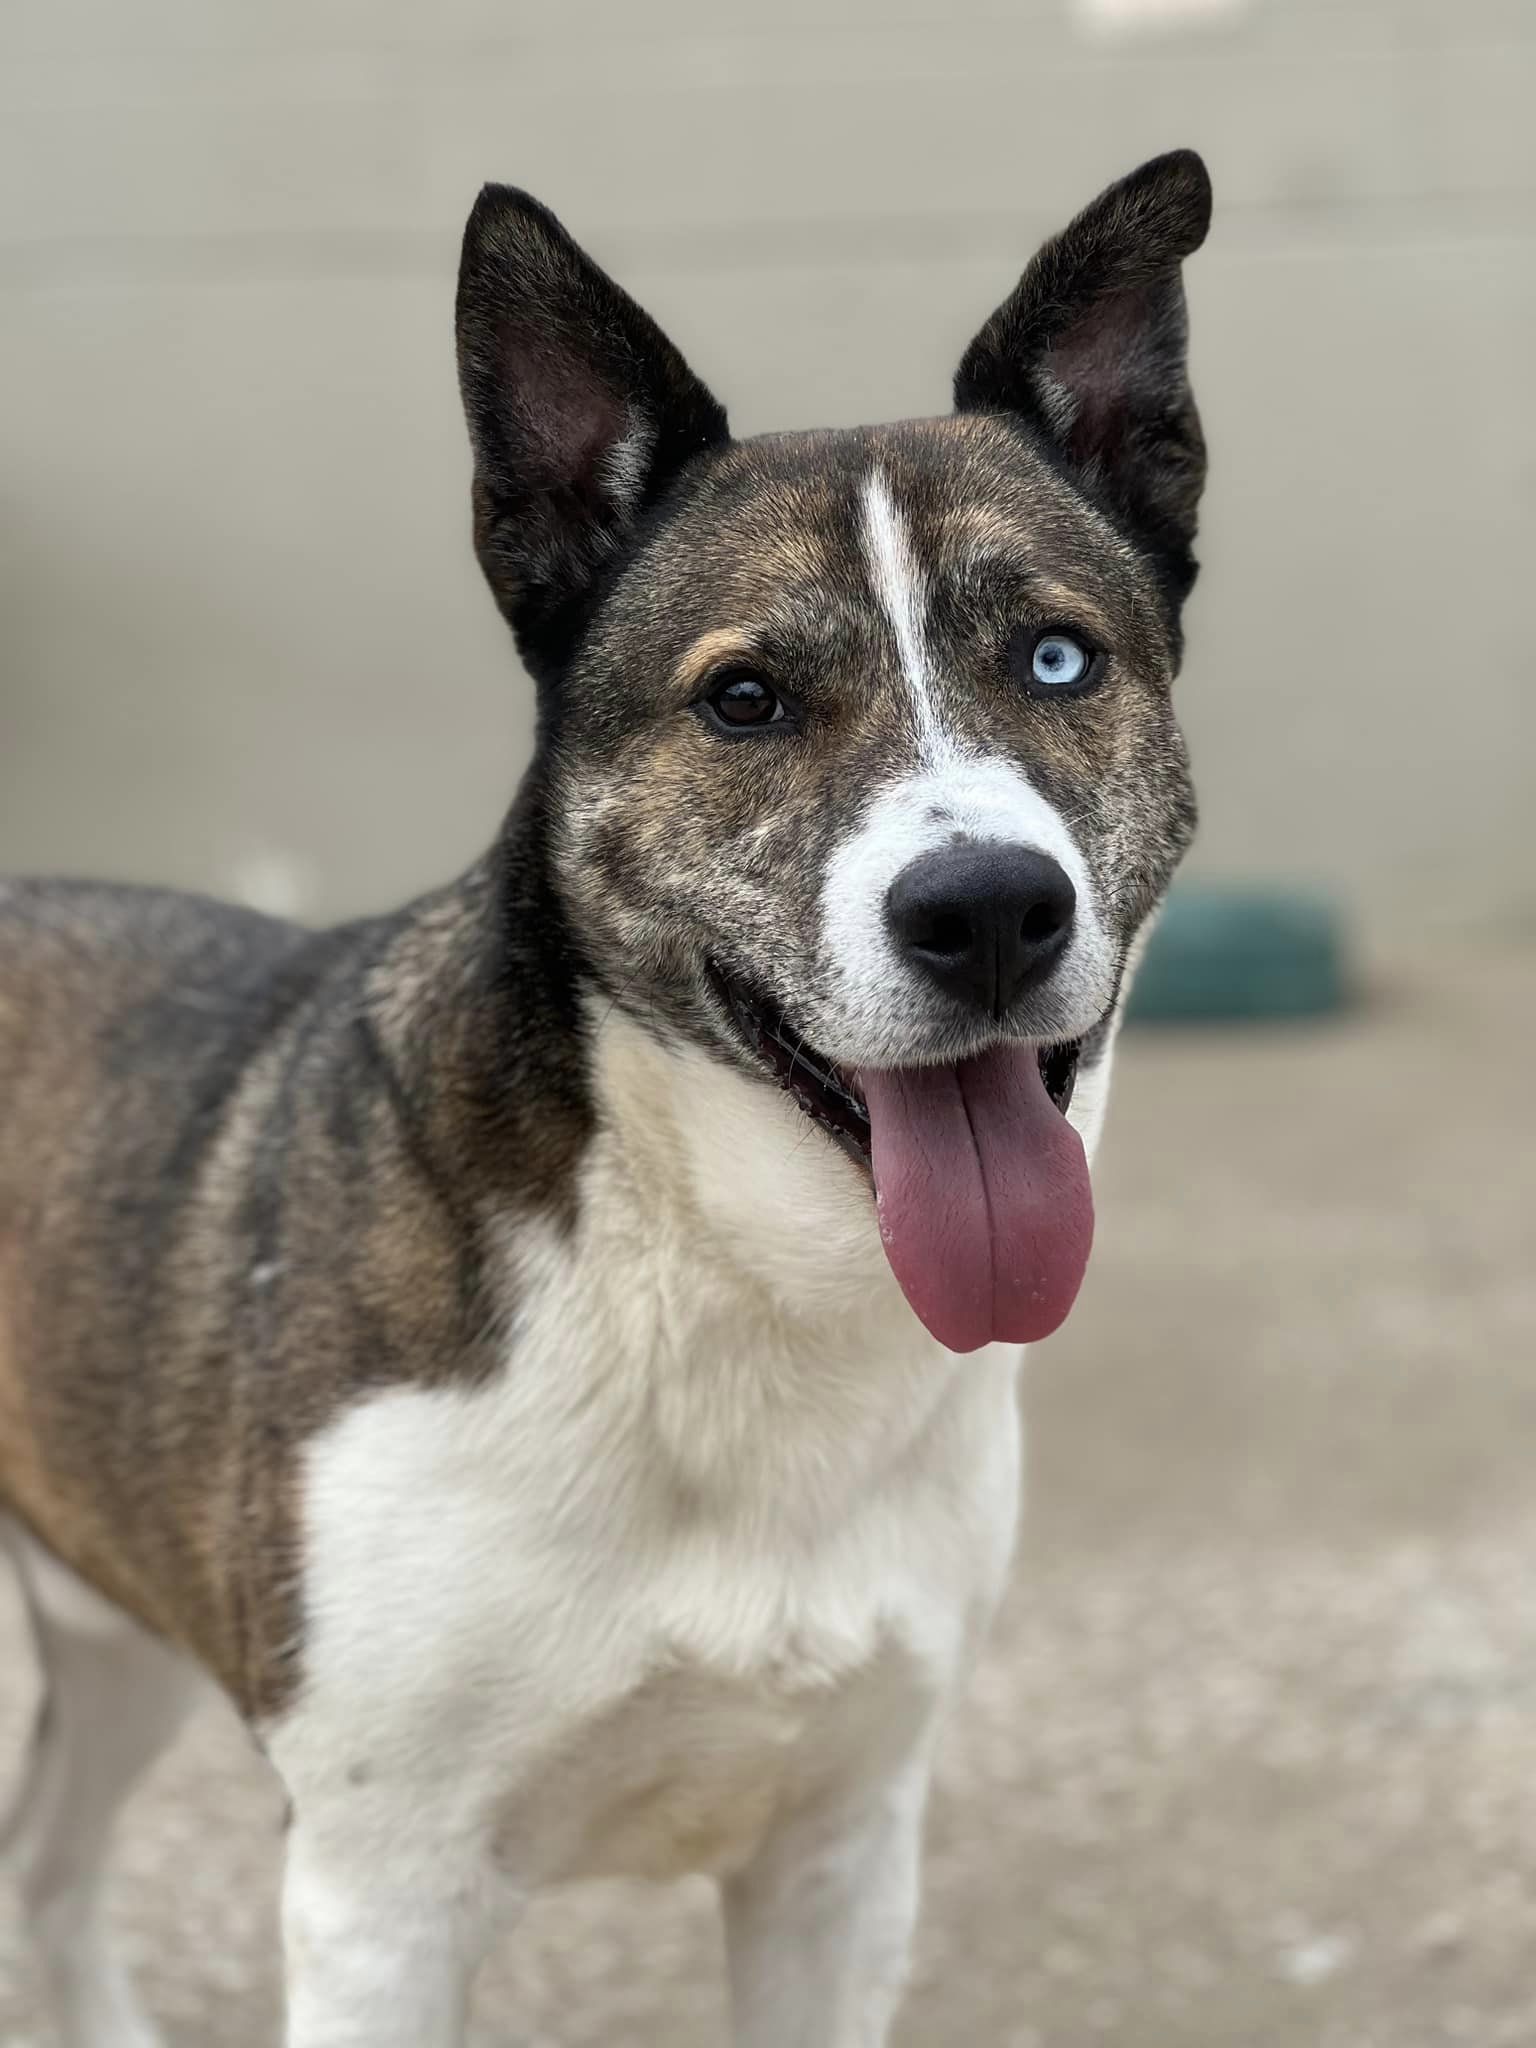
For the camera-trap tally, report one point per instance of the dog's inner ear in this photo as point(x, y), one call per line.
point(580, 413)
point(567, 419)
point(1091, 349)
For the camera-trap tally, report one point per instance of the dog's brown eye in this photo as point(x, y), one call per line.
point(742, 700)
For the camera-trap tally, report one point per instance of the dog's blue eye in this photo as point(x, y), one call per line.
point(1059, 661)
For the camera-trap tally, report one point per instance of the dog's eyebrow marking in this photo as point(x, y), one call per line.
point(901, 594)
point(712, 650)
point(1042, 590)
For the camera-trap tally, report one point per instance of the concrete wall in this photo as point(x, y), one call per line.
point(243, 645)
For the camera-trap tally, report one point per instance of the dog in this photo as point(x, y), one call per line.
point(550, 1355)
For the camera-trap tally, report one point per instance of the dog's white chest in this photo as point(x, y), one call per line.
point(617, 1696)
point(609, 1677)
point(681, 1563)
point(684, 1773)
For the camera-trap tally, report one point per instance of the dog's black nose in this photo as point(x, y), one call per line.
point(985, 921)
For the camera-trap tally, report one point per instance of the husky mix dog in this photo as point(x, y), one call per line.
point(549, 1354)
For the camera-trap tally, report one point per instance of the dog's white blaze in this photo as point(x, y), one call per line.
point(976, 796)
point(900, 592)
point(953, 791)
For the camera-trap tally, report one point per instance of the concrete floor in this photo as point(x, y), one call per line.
point(1252, 1760)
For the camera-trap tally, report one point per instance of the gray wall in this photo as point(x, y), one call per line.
point(243, 642)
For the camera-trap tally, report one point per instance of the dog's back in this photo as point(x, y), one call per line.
point(226, 1206)
point(195, 1117)
point(129, 1020)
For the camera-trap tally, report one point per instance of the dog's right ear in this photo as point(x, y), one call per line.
point(580, 412)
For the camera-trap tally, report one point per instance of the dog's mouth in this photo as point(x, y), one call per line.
point(825, 1092)
point(830, 1095)
point(980, 1182)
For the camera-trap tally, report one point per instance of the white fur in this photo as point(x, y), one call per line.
point(984, 797)
point(681, 1589)
point(900, 591)
point(951, 790)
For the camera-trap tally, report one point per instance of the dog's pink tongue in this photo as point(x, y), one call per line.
point(982, 1185)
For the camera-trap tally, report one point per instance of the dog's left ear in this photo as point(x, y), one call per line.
point(1091, 350)
point(580, 413)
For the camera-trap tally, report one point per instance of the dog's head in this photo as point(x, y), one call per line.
point(859, 744)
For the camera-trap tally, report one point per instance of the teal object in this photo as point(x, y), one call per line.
point(1229, 954)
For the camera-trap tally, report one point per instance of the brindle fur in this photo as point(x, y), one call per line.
point(249, 1172)
point(679, 848)
point(242, 1181)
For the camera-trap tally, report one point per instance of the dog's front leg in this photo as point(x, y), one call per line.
point(383, 1936)
point(819, 1927)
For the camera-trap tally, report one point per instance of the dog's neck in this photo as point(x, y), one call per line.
point(475, 999)
point(675, 1217)
point(728, 1262)
point(513, 1061)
